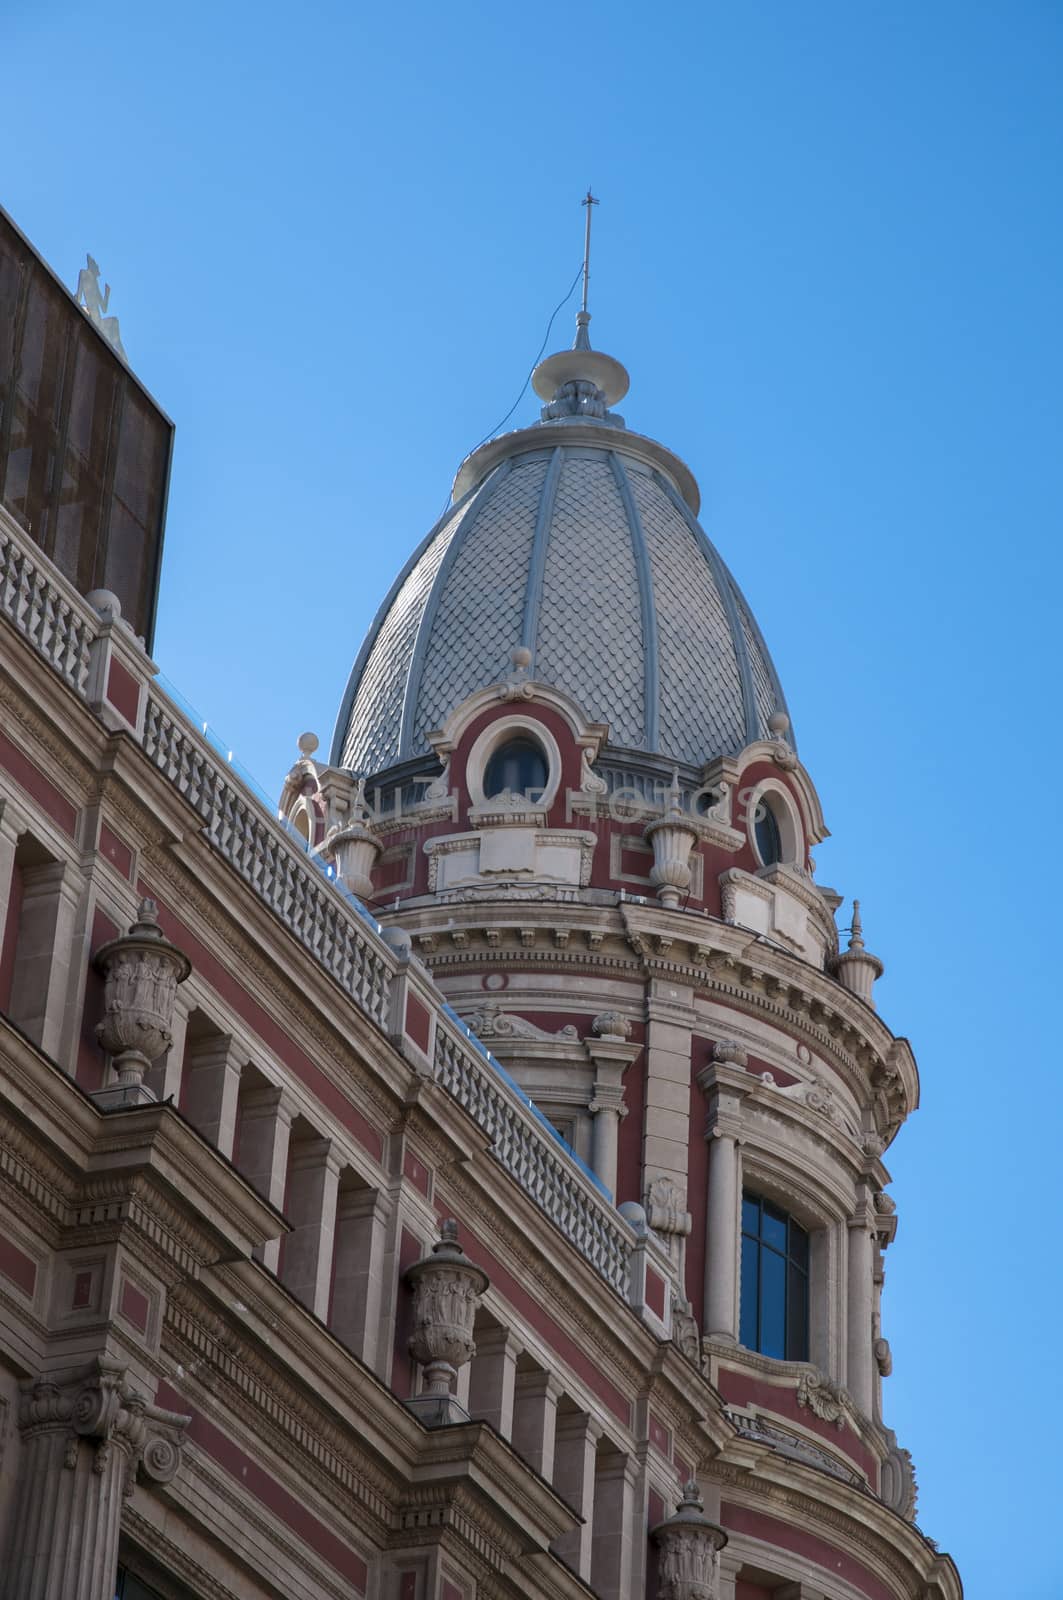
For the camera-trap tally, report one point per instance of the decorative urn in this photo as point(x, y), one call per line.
point(447, 1288)
point(673, 837)
point(689, 1544)
point(141, 971)
point(354, 846)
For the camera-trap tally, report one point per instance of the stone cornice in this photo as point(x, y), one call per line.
point(144, 1172)
point(293, 1385)
point(719, 961)
point(901, 1556)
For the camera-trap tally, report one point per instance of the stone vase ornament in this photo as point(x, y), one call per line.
point(354, 847)
point(673, 837)
point(689, 1544)
point(141, 971)
point(447, 1288)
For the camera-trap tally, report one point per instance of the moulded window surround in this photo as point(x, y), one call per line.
point(508, 731)
point(775, 1281)
point(774, 830)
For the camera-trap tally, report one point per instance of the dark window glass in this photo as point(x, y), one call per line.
point(518, 766)
point(772, 1305)
point(748, 1332)
point(129, 1587)
point(769, 840)
point(773, 1227)
point(774, 1309)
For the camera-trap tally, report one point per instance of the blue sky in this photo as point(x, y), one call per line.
point(828, 251)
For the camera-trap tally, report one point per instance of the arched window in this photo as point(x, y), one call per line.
point(519, 765)
point(774, 1281)
point(767, 833)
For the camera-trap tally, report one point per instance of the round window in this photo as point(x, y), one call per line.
point(767, 833)
point(519, 765)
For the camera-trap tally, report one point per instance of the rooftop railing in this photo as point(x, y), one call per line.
point(308, 899)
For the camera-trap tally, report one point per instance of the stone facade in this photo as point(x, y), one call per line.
point(301, 1293)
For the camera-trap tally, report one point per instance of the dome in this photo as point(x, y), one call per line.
point(579, 540)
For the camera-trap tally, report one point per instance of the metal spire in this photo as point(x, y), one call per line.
point(583, 317)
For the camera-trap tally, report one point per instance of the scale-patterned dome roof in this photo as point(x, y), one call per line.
point(579, 540)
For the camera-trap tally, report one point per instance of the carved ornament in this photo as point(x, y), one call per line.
point(689, 1548)
point(141, 972)
point(824, 1398)
point(491, 1022)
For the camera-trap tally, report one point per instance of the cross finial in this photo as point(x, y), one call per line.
point(588, 201)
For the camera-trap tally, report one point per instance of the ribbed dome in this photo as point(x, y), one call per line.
point(578, 539)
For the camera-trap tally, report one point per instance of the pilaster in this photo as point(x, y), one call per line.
point(725, 1084)
point(265, 1132)
point(576, 1447)
point(84, 1437)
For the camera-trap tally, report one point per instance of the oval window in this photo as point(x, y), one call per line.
point(519, 766)
point(767, 833)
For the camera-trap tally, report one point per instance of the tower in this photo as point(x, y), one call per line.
point(468, 1183)
point(564, 768)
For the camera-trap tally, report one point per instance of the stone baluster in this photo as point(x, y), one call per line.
point(575, 1454)
point(84, 1437)
point(689, 1545)
point(725, 1083)
point(141, 972)
point(447, 1287)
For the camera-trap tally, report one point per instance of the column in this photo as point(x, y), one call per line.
point(725, 1083)
point(313, 1192)
point(575, 1453)
point(211, 1089)
point(860, 1364)
point(83, 1439)
point(358, 1275)
point(614, 1522)
point(493, 1379)
point(609, 1047)
point(607, 1112)
point(535, 1420)
point(265, 1131)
